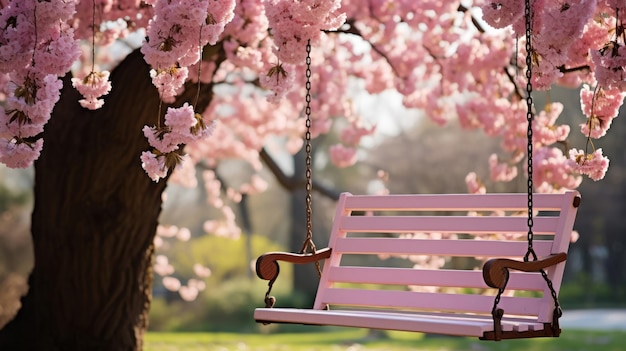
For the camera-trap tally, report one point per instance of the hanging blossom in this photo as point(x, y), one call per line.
point(600, 106)
point(501, 171)
point(552, 171)
point(92, 87)
point(593, 47)
point(292, 25)
point(474, 184)
point(552, 40)
point(36, 46)
point(594, 165)
point(344, 154)
point(182, 126)
point(175, 36)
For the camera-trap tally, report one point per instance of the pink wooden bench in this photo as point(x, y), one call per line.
point(457, 299)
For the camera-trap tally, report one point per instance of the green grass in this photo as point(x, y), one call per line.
point(357, 340)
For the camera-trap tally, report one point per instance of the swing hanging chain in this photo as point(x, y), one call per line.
point(529, 118)
point(497, 313)
point(309, 245)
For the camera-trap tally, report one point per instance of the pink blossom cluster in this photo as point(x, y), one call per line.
point(432, 52)
point(176, 37)
point(114, 19)
point(552, 171)
point(594, 165)
point(552, 41)
point(182, 125)
point(293, 24)
point(36, 46)
point(501, 171)
point(474, 185)
point(344, 154)
point(176, 34)
point(92, 87)
point(600, 106)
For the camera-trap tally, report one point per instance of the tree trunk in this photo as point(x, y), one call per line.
point(93, 223)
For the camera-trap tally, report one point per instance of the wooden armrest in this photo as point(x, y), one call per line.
point(267, 266)
point(496, 271)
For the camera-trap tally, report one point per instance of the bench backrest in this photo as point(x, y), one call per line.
point(463, 230)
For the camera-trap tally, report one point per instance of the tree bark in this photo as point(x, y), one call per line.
point(93, 223)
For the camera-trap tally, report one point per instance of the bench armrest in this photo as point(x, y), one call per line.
point(267, 265)
point(496, 271)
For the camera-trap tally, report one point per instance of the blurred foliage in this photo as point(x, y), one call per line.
point(227, 258)
point(9, 198)
point(583, 292)
point(233, 290)
point(16, 257)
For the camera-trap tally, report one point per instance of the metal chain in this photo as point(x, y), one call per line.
point(308, 243)
point(557, 305)
point(529, 133)
point(530, 116)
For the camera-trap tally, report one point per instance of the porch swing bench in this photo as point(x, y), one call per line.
point(452, 300)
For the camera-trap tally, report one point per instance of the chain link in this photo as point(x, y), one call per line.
point(529, 133)
point(309, 245)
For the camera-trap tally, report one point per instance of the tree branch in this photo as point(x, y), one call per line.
point(292, 183)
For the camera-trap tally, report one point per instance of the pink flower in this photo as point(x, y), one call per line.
point(279, 79)
point(552, 171)
point(92, 87)
point(180, 121)
point(153, 165)
point(593, 165)
point(162, 266)
point(17, 153)
point(351, 135)
point(600, 106)
point(474, 185)
point(169, 81)
point(342, 156)
point(610, 65)
point(500, 14)
point(201, 271)
point(171, 283)
point(188, 293)
point(161, 139)
point(544, 129)
point(501, 171)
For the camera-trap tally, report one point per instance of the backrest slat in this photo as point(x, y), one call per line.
point(439, 247)
point(452, 224)
point(452, 202)
point(428, 277)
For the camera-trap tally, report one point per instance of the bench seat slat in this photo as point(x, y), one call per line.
point(447, 224)
point(424, 323)
point(441, 247)
point(467, 303)
point(452, 202)
point(426, 277)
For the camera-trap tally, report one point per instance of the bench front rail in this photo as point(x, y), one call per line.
point(445, 291)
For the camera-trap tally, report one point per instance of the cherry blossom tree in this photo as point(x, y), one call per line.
point(216, 79)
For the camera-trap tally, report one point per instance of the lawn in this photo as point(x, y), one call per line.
point(357, 339)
